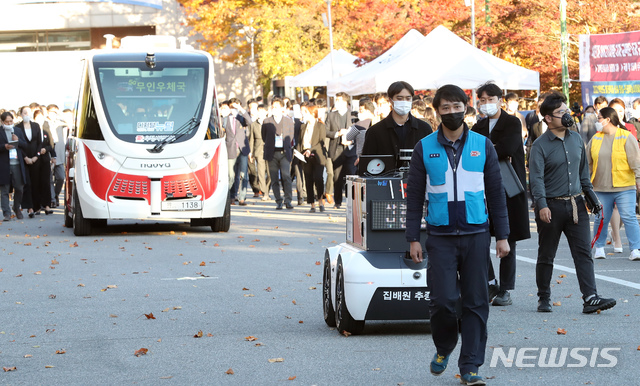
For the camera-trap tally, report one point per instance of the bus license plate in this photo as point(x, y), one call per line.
point(181, 205)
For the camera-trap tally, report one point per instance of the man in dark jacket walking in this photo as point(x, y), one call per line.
point(505, 132)
point(399, 130)
point(462, 169)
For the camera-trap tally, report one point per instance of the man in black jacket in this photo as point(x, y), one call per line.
point(342, 153)
point(505, 132)
point(399, 130)
point(277, 134)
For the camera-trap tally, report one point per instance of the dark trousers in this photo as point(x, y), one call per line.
point(468, 257)
point(281, 164)
point(313, 173)
point(342, 166)
point(507, 269)
point(577, 235)
point(253, 176)
point(38, 193)
point(298, 173)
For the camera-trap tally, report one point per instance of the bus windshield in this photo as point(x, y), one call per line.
point(146, 105)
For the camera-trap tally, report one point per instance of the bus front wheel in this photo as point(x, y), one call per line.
point(222, 224)
point(81, 225)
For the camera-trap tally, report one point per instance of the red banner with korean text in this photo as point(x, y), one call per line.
point(610, 57)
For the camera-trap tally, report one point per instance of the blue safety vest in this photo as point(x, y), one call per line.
point(456, 195)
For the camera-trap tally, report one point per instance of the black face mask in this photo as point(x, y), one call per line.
point(566, 120)
point(453, 121)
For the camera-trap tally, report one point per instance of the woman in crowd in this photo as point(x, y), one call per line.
point(311, 145)
point(12, 171)
point(614, 161)
point(618, 105)
point(37, 156)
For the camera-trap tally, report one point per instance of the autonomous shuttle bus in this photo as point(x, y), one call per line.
point(147, 141)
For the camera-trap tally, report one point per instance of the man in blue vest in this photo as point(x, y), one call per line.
point(457, 171)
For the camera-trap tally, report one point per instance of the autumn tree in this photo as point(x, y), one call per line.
point(291, 36)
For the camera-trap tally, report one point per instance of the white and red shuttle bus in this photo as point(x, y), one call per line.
point(147, 141)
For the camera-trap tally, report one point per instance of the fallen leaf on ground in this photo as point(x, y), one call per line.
point(312, 288)
point(142, 351)
point(48, 367)
point(37, 273)
point(318, 263)
point(248, 295)
point(112, 286)
point(198, 334)
point(230, 371)
point(150, 316)
point(165, 310)
point(294, 302)
point(561, 331)
point(250, 338)
point(167, 377)
point(52, 296)
point(346, 333)
point(245, 289)
point(63, 351)
point(28, 356)
point(457, 376)
point(559, 281)
point(75, 244)
point(638, 348)
point(217, 245)
point(274, 360)
point(54, 262)
point(292, 378)
point(113, 315)
point(268, 289)
point(568, 296)
point(203, 264)
point(27, 244)
point(557, 304)
point(562, 276)
point(300, 321)
point(209, 334)
point(258, 344)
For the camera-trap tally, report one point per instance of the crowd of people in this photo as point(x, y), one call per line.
point(32, 159)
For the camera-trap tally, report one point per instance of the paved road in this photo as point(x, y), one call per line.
point(255, 293)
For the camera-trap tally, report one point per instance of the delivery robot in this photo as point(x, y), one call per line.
point(371, 276)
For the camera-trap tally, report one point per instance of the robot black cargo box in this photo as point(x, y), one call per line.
point(376, 213)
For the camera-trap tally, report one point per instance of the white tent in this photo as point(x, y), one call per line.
point(362, 81)
point(321, 73)
point(442, 58)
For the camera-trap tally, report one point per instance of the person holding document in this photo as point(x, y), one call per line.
point(12, 170)
point(311, 146)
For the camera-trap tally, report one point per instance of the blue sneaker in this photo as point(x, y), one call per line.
point(472, 379)
point(439, 364)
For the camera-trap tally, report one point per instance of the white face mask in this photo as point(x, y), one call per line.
point(513, 106)
point(489, 109)
point(26, 118)
point(402, 107)
point(8, 127)
point(598, 126)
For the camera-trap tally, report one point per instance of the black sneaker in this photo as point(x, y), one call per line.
point(544, 305)
point(597, 303)
point(278, 206)
point(493, 291)
point(503, 298)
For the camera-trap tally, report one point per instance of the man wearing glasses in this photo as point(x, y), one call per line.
point(559, 174)
point(399, 130)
